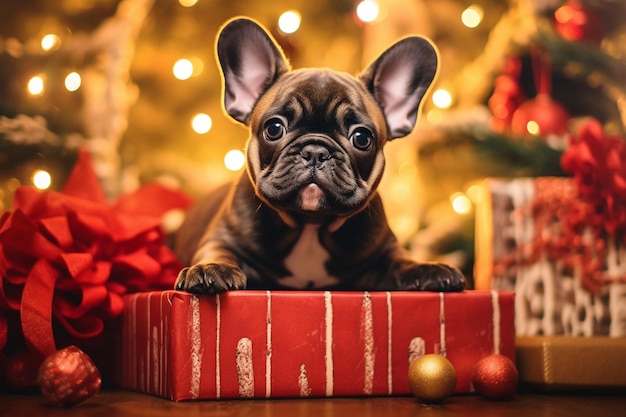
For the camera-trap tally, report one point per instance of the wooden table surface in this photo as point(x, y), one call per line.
point(112, 403)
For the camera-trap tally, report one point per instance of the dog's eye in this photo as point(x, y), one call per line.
point(361, 138)
point(274, 129)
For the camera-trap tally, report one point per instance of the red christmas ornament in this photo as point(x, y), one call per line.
point(576, 22)
point(540, 116)
point(495, 377)
point(507, 95)
point(69, 377)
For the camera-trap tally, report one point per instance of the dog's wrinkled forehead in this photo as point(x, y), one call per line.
point(322, 100)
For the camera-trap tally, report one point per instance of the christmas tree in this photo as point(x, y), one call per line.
point(547, 68)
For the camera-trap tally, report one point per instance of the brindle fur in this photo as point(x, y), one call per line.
point(244, 235)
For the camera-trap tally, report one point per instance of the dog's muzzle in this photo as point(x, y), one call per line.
point(315, 155)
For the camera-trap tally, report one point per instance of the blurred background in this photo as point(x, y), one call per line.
point(136, 83)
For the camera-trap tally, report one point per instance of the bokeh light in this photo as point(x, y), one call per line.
point(72, 81)
point(442, 98)
point(36, 85)
point(461, 204)
point(532, 127)
point(42, 179)
point(183, 69)
point(367, 11)
point(50, 42)
point(201, 123)
point(472, 16)
point(234, 160)
point(289, 22)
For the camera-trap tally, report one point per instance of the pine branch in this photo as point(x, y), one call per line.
point(522, 156)
point(587, 58)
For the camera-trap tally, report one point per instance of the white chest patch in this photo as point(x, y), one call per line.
point(306, 262)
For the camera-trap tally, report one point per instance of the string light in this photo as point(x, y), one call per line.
point(461, 204)
point(50, 42)
point(36, 85)
point(183, 69)
point(42, 179)
point(234, 160)
point(442, 98)
point(187, 3)
point(72, 81)
point(472, 16)
point(367, 11)
point(532, 127)
point(201, 123)
point(289, 22)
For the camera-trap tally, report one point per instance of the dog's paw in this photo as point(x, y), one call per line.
point(431, 277)
point(210, 278)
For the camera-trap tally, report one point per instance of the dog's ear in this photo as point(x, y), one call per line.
point(250, 60)
point(399, 78)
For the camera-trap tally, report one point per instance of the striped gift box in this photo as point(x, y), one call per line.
point(277, 344)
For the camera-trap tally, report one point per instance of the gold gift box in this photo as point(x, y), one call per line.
point(567, 362)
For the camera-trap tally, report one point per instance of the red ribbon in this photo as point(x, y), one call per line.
point(598, 163)
point(68, 257)
point(36, 308)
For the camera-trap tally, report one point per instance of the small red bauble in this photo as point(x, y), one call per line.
point(576, 22)
point(495, 377)
point(69, 377)
point(540, 116)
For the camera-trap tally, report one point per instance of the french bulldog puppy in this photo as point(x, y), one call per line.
point(306, 215)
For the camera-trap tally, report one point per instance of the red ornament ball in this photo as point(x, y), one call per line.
point(495, 377)
point(432, 378)
point(576, 22)
point(69, 376)
point(540, 116)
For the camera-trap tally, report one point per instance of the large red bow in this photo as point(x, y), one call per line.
point(598, 162)
point(68, 257)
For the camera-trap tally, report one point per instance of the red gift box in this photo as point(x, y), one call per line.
point(271, 344)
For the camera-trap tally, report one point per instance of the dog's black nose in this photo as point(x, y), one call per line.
point(315, 155)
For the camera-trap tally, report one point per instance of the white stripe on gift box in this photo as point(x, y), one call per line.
point(417, 348)
point(495, 302)
point(328, 321)
point(196, 348)
point(303, 382)
point(245, 371)
point(268, 347)
point(368, 345)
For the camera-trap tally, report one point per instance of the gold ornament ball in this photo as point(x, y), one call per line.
point(432, 378)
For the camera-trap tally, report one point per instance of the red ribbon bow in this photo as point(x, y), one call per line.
point(598, 162)
point(68, 257)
